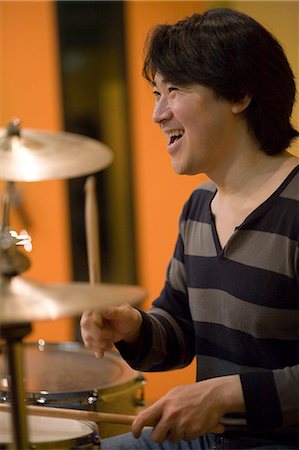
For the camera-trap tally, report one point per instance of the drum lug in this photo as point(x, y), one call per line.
point(92, 398)
point(42, 400)
point(96, 441)
point(139, 395)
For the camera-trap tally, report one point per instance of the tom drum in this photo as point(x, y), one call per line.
point(67, 375)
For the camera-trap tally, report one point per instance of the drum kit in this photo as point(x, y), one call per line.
point(32, 155)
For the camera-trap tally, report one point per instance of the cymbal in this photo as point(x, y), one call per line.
point(23, 301)
point(37, 155)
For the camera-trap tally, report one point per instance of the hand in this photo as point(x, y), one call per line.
point(102, 329)
point(191, 410)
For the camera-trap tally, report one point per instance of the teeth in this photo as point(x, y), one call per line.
point(176, 133)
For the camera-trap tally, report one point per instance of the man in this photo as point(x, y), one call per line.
point(224, 94)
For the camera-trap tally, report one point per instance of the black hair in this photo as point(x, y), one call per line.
point(235, 56)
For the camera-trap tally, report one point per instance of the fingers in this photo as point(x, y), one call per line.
point(102, 347)
point(162, 429)
point(121, 312)
point(98, 319)
point(175, 435)
point(99, 354)
point(101, 329)
point(148, 417)
point(95, 337)
point(108, 313)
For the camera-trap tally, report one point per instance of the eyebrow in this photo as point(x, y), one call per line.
point(154, 84)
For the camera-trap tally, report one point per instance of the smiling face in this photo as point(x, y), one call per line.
point(198, 125)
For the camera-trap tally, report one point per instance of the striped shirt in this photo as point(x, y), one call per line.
point(234, 308)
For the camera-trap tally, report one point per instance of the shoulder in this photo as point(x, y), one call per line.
point(199, 200)
point(290, 187)
point(205, 191)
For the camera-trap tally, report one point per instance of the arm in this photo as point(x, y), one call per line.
point(271, 398)
point(163, 343)
point(167, 339)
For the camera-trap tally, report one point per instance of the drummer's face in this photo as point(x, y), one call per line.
point(197, 125)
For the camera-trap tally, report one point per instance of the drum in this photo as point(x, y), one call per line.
point(67, 375)
point(51, 433)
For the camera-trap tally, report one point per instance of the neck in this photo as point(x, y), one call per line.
point(244, 175)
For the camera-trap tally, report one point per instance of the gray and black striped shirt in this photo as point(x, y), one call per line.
point(234, 308)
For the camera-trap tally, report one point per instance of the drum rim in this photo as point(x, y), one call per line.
point(71, 395)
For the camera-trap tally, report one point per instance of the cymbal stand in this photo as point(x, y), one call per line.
point(11, 264)
point(13, 335)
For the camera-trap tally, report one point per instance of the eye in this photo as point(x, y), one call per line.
point(172, 89)
point(156, 94)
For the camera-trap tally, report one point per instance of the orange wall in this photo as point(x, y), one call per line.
point(159, 193)
point(30, 89)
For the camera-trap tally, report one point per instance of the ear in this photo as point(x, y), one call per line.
point(240, 106)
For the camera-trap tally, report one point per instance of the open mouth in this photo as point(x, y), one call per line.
point(175, 135)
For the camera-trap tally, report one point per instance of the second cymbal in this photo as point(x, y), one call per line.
point(23, 301)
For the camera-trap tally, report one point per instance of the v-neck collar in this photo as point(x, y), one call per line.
point(258, 211)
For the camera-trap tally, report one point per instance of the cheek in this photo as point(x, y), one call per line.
point(198, 128)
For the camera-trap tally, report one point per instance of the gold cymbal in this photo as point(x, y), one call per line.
point(43, 155)
point(23, 301)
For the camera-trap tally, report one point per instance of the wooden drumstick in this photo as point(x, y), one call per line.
point(77, 414)
point(92, 239)
point(74, 414)
point(92, 231)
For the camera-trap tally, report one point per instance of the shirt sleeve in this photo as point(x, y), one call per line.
point(167, 339)
point(271, 398)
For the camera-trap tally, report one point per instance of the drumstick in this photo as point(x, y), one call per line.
point(92, 240)
point(77, 414)
point(92, 227)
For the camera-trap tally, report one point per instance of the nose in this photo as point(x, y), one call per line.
point(161, 111)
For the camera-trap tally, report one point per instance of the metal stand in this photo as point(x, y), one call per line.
point(13, 335)
point(12, 262)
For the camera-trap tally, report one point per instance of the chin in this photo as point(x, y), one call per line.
point(178, 170)
point(183, 170)
point(178, 167)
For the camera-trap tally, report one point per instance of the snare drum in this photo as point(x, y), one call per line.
point(67, 375)
point(51, 433)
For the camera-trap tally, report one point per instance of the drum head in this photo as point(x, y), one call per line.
point(47, 429)
point(68, 367)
